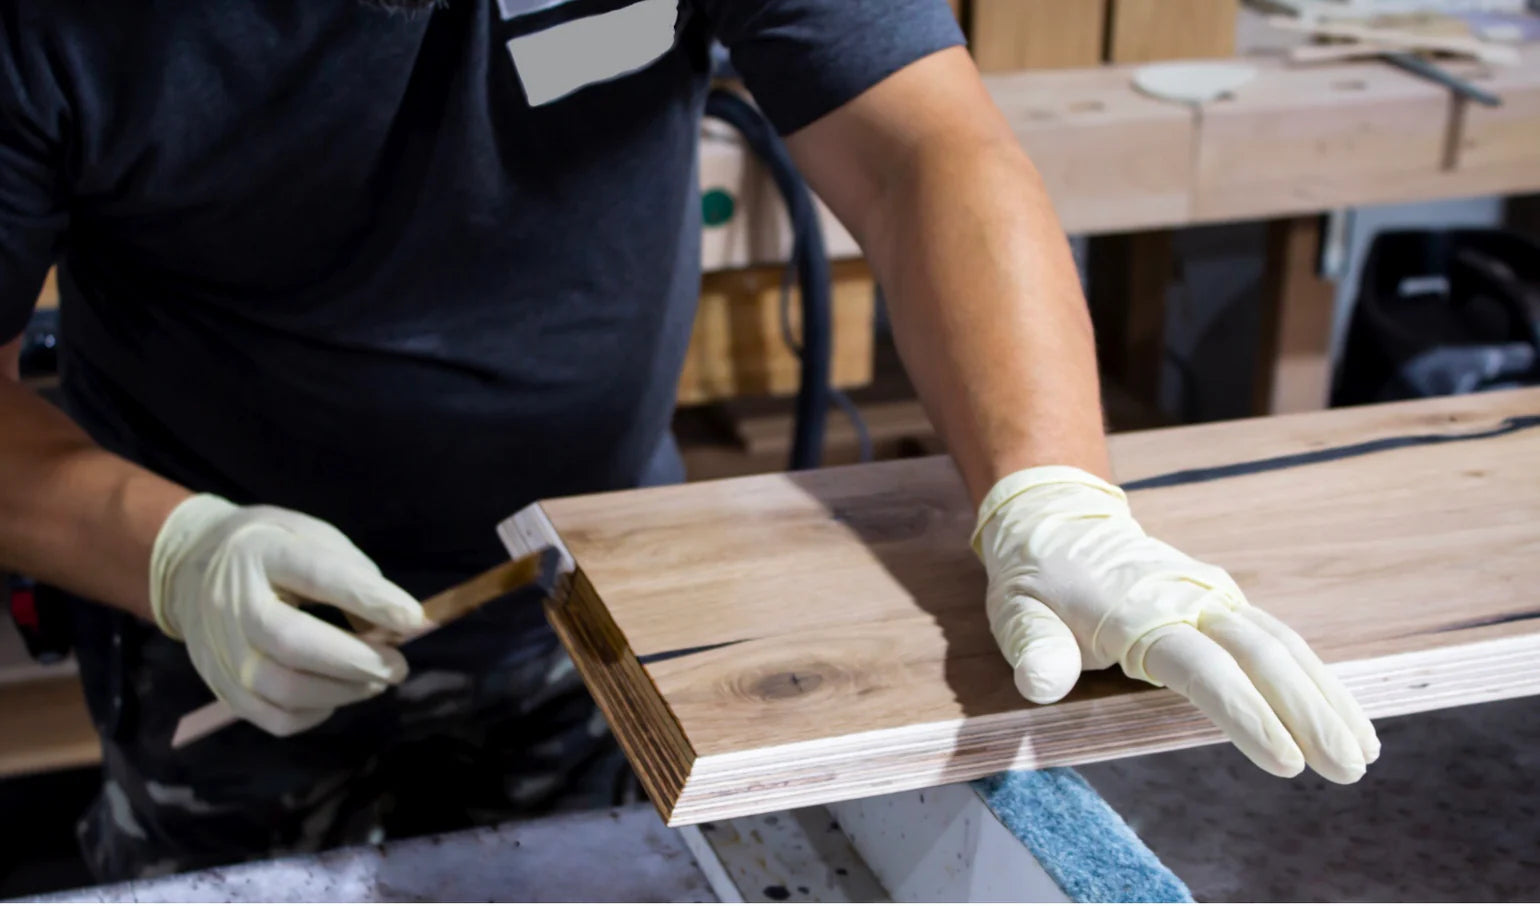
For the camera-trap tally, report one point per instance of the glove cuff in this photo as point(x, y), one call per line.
point(191, 519)
point(1017, 483)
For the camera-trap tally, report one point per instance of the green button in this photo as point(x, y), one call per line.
point(716, 207)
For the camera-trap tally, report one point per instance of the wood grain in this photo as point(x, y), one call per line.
point(783, 640)
point(1008, 35)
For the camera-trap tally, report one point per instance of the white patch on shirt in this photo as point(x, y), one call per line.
point(512, 9)
point(564, 58)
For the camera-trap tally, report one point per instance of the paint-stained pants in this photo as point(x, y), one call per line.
point(492, 724)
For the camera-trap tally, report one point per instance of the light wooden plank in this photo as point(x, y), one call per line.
point(1498, 148)
point(1143, 31)
point(784, 640)
point(737, 348)
point(1307, 140)
point(1008, 35)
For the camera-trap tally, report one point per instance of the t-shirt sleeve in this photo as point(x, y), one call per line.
point(805, 58)
point(33, 210)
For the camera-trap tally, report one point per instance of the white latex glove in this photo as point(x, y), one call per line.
point(1075, 583)
point(224, 579)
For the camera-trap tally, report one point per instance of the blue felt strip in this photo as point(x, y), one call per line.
point(1085, 846)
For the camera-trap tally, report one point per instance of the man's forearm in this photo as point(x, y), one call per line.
point(986, 305)
point(988, 312)
point(72, 514)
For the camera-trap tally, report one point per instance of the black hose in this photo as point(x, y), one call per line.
point(812, 263)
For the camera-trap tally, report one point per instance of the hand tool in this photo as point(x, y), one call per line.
point(537, 570)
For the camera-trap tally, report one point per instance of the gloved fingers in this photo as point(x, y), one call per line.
point(1324, 737)
point(1039, 646)
point(1192, 664)
point(250, 706)
point(313, 530)
point(300, 641)
point(328, 575)
point(1341, 700)
point(296, 690)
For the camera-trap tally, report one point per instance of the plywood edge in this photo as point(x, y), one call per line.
point(1073, 733)
point(626, 695)
point(648, 732)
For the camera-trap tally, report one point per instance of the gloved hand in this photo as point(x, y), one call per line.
point(224, 579)
point(1074, 582)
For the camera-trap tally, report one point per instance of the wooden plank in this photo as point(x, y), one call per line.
point(1112, 159)
point(44, 726)
point(777, 641)
point(1308, 140)
point(1498, 148)
point(1143, 31)
point(1008, 35)
point(737, 348)
point(1294, 360)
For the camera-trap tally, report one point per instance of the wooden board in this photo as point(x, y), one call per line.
point(1111, 158)
point(1307, 140)
point(776, 641)
point(1498, 148)
point(1008, 35)
point(737, 347)
point(1143, 31)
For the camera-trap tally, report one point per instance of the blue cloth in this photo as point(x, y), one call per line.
point(1087, 848)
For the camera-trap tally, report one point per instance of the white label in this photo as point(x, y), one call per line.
point(513, 8)
point(560, 60)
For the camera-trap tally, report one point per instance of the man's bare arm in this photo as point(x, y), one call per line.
point(986, 304)
point(72, 514)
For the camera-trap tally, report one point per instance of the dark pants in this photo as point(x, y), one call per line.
point(493, 723)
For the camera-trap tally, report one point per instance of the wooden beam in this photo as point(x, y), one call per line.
point(1312, 139)
point(1008, 35)
point(778, 641)
point(1293, 371)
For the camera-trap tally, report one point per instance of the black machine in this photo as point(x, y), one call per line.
point(1442, 312)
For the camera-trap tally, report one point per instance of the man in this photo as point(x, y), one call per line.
point(343, 286)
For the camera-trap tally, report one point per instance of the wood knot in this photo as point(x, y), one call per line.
point(787, 684)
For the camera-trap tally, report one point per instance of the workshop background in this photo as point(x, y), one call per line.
point(1207, 308)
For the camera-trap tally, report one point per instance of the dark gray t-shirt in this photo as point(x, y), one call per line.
point(331, 258)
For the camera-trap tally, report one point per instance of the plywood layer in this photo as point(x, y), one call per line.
point(783, 640)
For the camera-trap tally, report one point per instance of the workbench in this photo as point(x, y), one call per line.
point(1447, 813)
